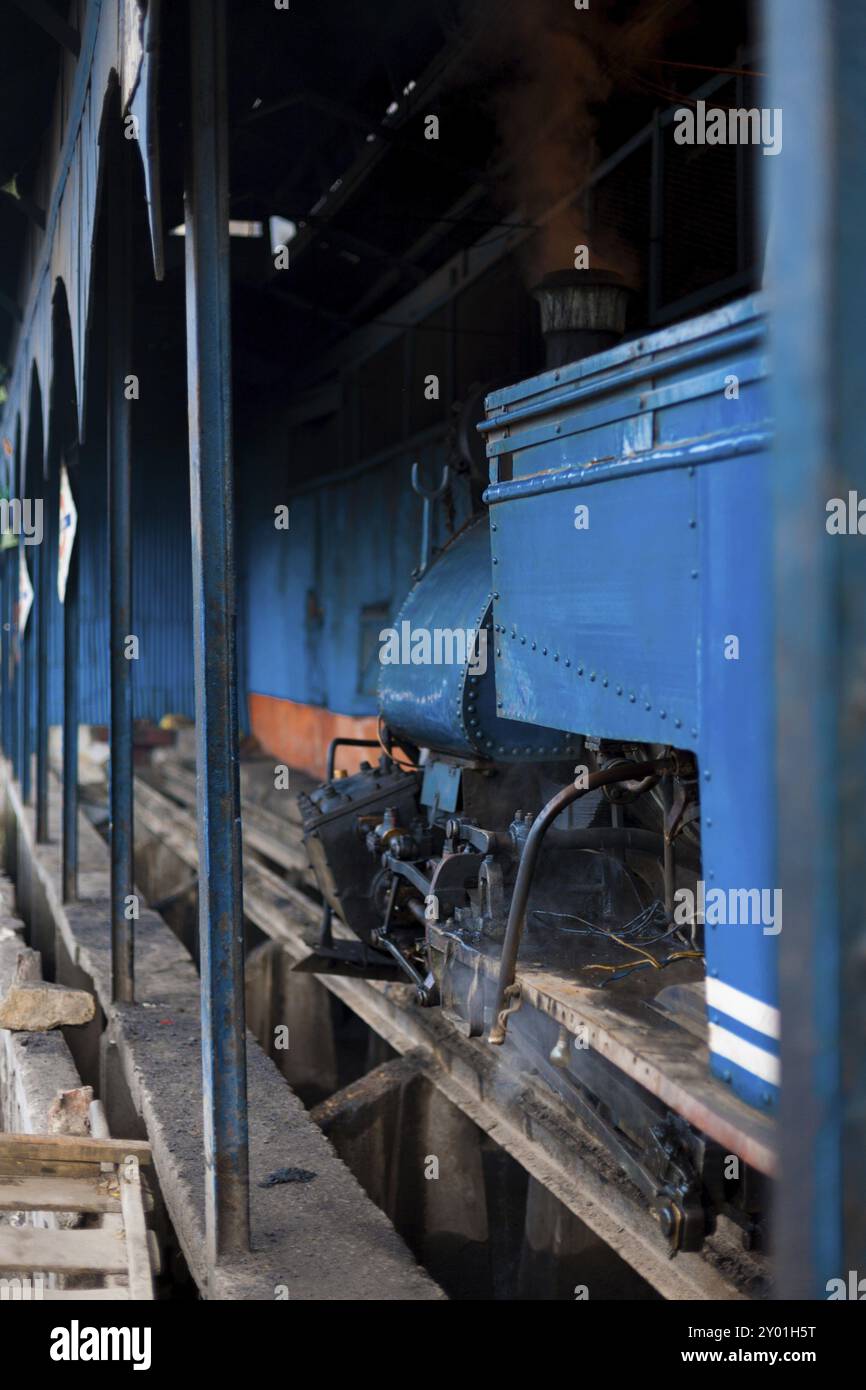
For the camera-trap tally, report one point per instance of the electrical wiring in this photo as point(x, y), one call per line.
point(636, 936)
point(621, 972)
point(652, 915)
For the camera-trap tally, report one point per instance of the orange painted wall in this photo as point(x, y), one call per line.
point(298, 735)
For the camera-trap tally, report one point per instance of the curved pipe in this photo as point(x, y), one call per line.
point(540, 826)
point(603, 837)
point(634, 789)
point(345, 743)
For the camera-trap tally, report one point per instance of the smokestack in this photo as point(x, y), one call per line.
point(582, 312)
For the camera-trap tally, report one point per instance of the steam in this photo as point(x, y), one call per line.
point(554, 66)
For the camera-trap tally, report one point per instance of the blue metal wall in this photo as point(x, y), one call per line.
point(162, 678)
point(351, 545)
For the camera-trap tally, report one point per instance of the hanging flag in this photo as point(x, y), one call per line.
point(68, 527)
point(25, 593)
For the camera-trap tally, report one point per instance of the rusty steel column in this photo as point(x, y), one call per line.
point(6, 571)
point(817, 283)
point(120, 564)
point(213, 576)
point(41, 613)
point(71, 628)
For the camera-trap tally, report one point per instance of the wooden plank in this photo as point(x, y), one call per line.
point(30, 1248)
point(278, 839)
point(292, 857)
point(665, 1059)
point(185, 776)
point(109, 1222)
point(541, 1135)
point(137, 1251)
point(268, 898)
point(57, 1194)
point(181, 783)
point(70, 1148)
point(42, 1168)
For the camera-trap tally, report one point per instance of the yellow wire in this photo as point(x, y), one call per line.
point(637, 949)
point(659, 965)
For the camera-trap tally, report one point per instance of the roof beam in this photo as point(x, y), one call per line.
point(364, 249)
point(319, 102)
point(300, 301)
point(421, 247)
point(48, 19)
point(437, 74)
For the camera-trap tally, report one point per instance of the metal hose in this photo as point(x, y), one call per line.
point(608, 837)
point(621, 772)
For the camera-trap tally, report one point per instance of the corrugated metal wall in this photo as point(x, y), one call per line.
point(162, 590)
point(314, 595)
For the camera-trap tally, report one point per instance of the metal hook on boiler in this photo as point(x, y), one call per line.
point(430, 495)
